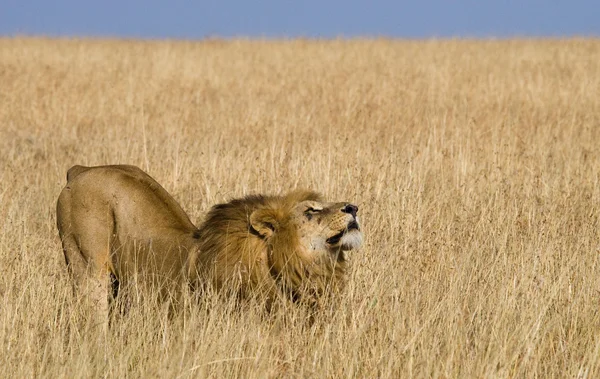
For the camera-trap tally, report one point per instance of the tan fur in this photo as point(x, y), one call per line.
point(117, 221)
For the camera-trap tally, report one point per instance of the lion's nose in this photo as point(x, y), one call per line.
point(350, 208)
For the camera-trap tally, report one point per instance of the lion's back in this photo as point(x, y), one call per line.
point(129, 193)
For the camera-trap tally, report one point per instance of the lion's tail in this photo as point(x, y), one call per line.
point(74, 171)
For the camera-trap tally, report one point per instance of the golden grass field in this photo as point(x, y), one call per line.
point(476, 166)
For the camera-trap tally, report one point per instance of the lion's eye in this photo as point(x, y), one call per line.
point(310, 212)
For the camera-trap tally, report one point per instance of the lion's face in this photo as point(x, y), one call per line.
point(315, 225)
point(327, 226)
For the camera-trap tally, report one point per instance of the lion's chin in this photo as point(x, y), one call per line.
point(351, 240)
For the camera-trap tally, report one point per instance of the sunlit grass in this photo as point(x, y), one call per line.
point(475, 165)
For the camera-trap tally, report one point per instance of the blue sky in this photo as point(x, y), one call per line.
point(310, 18)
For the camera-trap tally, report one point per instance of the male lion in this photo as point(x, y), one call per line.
point(119, 226)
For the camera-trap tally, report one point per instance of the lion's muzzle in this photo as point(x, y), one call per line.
point(350, 236)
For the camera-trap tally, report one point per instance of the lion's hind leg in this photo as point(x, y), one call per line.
point(85, 241)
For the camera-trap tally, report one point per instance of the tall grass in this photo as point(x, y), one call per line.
point(476, 166)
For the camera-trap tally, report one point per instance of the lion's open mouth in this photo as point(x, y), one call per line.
point(352, 225)
point(334, 240)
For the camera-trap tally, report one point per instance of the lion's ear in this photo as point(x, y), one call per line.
point(264, 222)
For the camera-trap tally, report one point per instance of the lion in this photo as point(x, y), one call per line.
point(118, 226)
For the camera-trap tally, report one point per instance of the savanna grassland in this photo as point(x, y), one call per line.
point(475, 164)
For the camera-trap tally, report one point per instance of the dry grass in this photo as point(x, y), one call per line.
point(476, 165)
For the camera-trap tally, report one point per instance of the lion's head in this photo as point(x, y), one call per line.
point(319, 227)
point(293, 242)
